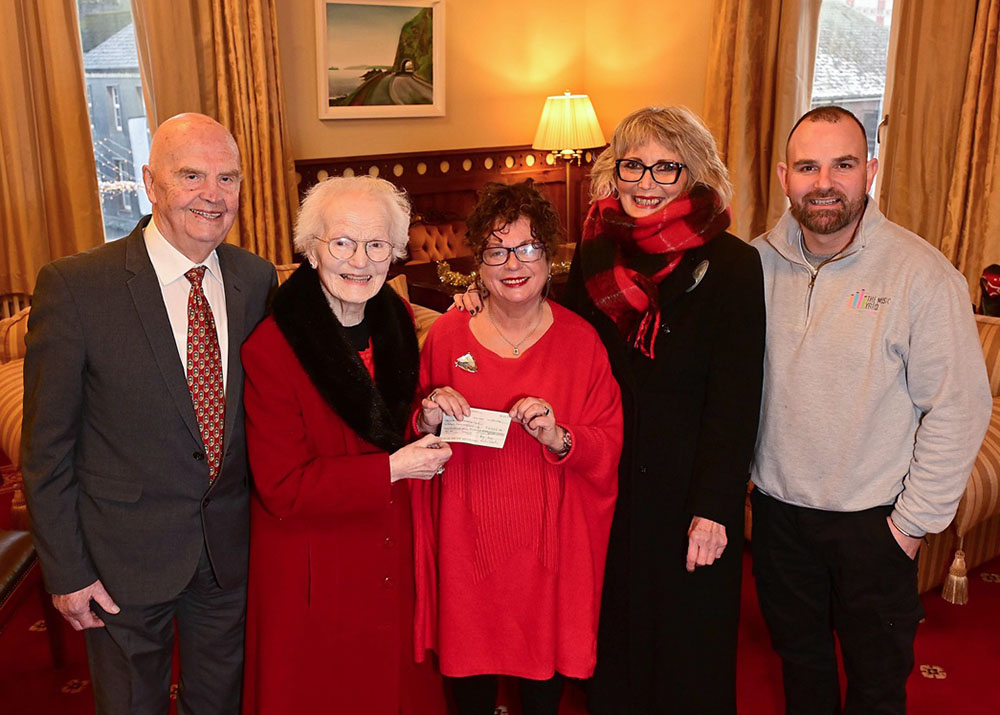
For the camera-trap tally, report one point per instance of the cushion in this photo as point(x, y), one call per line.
point(11, 395)
point(399, 285)
point(982, 495)
point(989, 336)
point(12, 332)
point(437, 241)
point(423, 317)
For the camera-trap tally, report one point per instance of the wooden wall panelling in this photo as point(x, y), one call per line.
point(443, 184)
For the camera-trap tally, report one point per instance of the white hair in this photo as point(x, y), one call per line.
point(313, 217)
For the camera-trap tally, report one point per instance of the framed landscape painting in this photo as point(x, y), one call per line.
point(380, 58)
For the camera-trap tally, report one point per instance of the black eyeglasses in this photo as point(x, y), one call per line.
point(663, 172)
point(344, 248)
point(499, 255)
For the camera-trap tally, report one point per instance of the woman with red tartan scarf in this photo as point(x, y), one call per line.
point(679, 305)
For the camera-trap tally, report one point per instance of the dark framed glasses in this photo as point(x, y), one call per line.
point(663, 172)
point(526, 253)
point(344, 248)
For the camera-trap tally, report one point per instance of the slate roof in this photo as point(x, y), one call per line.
point(851, 54)
point(115, 53)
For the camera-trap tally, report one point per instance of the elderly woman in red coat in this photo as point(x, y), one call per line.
point(330, 381)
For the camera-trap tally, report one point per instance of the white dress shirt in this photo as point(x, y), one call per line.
point(170, 266)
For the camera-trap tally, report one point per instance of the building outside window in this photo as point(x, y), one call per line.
point(117, 111)
point(851, 57)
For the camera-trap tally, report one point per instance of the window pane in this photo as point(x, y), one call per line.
point(851, 57)
point(117, 112)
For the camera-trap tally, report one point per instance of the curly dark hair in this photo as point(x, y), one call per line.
point(502, 204)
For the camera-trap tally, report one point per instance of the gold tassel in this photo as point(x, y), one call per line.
point(956, 585)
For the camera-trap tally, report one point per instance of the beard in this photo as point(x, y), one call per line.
point(831, 220)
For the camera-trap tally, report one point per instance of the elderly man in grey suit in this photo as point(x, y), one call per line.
point(133, 442)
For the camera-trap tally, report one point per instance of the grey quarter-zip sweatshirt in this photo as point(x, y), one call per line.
point(875, 389)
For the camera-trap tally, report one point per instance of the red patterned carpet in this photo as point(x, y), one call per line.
point(957, 655)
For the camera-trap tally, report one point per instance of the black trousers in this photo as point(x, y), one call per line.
point(818, 572)
point(477, 694)
point(130, 657)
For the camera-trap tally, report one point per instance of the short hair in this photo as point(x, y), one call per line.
point(676, 128)
point(504, 204)
point(313, 219)
point(828, 113)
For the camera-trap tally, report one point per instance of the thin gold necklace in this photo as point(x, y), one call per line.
point(516, 346)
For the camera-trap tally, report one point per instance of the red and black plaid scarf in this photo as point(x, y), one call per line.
point(624, 258)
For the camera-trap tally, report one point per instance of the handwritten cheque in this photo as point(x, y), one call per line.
point(486, 428)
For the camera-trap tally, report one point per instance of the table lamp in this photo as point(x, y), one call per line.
point(568, 125)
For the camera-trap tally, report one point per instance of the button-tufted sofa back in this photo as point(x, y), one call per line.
point(437, 241)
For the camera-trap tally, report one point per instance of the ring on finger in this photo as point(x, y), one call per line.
point(546, 413)
point(440, 470)
point(432, 395)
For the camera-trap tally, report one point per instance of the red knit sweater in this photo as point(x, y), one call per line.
point(510, 544)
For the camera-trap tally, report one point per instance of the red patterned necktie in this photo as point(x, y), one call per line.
point(204, 371)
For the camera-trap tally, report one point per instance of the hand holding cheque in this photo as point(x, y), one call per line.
point(459, 422)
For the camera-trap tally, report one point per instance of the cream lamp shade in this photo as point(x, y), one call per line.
point(568, 124)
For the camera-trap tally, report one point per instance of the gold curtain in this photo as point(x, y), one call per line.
point(927, 77)
point(221, 58)
point(760, 66)
point(971, 235)
point(49, 204)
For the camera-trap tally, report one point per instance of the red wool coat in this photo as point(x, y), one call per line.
point(331, 593)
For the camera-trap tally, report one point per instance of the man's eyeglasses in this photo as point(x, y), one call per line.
point(344, 248)
point(663, 172)
point(526, 253)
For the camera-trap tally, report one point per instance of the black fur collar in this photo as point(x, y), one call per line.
point(377, 412)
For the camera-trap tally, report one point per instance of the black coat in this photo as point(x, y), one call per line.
point(667, 638)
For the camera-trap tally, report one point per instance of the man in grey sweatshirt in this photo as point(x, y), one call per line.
point(875, 404)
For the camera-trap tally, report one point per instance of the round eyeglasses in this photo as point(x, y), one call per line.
point(663, 172)
point(526, 253)
point(344, 248)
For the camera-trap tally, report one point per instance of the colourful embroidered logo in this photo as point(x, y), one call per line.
point(859, 300)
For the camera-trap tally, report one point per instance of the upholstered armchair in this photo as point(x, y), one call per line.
point(12, 332)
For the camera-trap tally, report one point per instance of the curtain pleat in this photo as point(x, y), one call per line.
point(759, 81)
point(918, 156)
point(971, 234)
point(941, 159)
point(49, 204)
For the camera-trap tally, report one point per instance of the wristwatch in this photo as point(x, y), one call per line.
point(567, 444)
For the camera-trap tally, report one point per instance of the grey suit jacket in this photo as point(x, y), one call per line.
point(114, 470)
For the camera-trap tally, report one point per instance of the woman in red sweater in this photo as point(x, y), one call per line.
point(510, 542)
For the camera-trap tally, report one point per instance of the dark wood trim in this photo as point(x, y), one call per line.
point(445, 182)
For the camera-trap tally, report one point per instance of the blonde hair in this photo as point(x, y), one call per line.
point(312, 218)
point(676, 128)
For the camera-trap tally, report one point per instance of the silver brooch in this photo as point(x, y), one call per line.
point(697, 274)
point(467, 362)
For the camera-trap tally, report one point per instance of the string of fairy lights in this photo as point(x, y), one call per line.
point(114, 160)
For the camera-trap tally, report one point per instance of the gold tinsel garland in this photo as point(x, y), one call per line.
point(464, 280)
